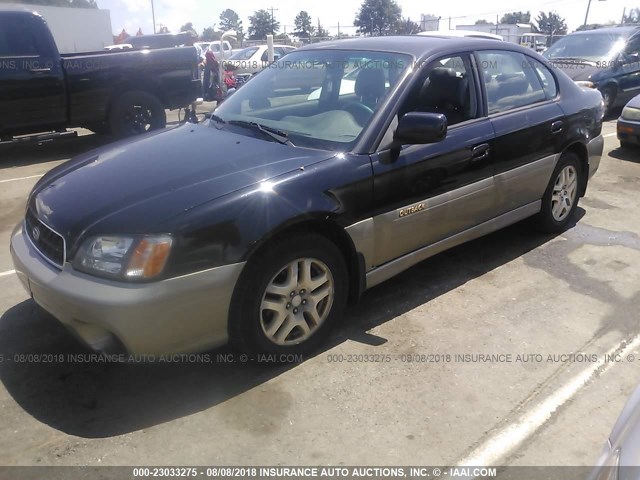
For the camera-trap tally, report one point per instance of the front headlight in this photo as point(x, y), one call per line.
point(124, 258)
point(630, 113)
point(586, 84)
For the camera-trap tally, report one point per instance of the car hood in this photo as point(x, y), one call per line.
point(134, 186)
point(634, 102)
point(577, 71)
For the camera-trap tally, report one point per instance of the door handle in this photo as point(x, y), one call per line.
point(557, 127)
point(480, 152)
point(40, 70)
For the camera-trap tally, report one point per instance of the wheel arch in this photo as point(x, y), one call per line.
point(580, 149)
point(328, 228)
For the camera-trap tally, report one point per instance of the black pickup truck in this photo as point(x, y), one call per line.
point(122, 93)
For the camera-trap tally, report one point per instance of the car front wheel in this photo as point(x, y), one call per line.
point(289, 296)
point(560, 200)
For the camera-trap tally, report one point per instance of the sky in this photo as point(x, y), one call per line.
point(134, 14)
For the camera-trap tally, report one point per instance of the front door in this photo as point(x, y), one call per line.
point(430, 192)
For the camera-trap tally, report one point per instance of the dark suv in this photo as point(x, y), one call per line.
point(607, 59)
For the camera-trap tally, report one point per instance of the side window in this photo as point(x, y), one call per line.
point(633, 46)
point(16, 39)
point(510, 80)
point(265, 56)
point(446, 87)
point(547, 79)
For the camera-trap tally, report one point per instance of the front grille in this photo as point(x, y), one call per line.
point(49, 243)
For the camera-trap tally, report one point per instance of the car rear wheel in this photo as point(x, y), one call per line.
point(289, 296)
point(561, 198)
point(608, 97)
point(136, 112)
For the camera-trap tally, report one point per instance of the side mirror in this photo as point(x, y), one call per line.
point(418, 128)
point(631, 57)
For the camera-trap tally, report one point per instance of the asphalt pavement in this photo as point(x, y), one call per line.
point(491, 353)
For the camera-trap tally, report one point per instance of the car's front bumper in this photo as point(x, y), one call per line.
point(628, 131)
point(595, 147)
point(177, 315)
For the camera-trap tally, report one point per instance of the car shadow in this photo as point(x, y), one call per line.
point(95, 400)
point(61, 149)
point(627, 154)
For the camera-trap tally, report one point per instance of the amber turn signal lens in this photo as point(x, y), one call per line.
point(149, 257)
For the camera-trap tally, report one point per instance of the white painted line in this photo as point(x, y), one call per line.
point(507, 441)
point(610, 135)
point(20, 178)
point(8, 272)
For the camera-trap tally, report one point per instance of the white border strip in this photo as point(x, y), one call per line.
point(21, 178)
point(507, 441)
point(7, 273)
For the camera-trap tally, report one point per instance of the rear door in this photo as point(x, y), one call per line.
point(528, 122)
point(431, 192)
point(32, 93)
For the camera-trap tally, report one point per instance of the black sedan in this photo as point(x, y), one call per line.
point(259, 225)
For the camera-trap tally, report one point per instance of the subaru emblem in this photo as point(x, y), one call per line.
point(36, 233)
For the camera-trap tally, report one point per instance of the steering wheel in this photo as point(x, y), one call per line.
point(360, 112)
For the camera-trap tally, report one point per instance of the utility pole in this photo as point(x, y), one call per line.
point(624, 14)
point(273, 20)
point(586, 17)
point(449, 24)
point(338, 30)
point(153, 16)
point(497, 21)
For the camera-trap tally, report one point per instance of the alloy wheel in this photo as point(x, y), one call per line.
point(564, 193)
point(296, 302)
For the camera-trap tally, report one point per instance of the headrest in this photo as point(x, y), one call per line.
point(444, 86)
point(370, 83)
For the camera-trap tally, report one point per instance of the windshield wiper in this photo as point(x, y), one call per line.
point(572, 59)
point(277, 135)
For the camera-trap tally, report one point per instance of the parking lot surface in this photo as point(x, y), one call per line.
point(491, 353)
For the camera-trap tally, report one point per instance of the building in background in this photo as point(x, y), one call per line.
point(74, 29)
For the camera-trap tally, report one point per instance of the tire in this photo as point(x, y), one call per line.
point(554, 218)
point(255, 328)
point(136, 112)
point(609, 98)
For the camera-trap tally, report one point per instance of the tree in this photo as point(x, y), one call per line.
point(61, 3)
point(209, 34)
point(187, 27)
point(378, 17)
point(230, 20)
point(304, 29)
point(482, 21)
point(516, 17)
point(321, 32)
point(163, 29)
point(407, 27)
point(262, 24)
point(632, 17)
point(551, 24)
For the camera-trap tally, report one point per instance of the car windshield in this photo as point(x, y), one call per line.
point(318, 98)
point(587, 46)
point(244, 54)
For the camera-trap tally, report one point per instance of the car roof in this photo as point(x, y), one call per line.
point(416, 45)
point(626, 31)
